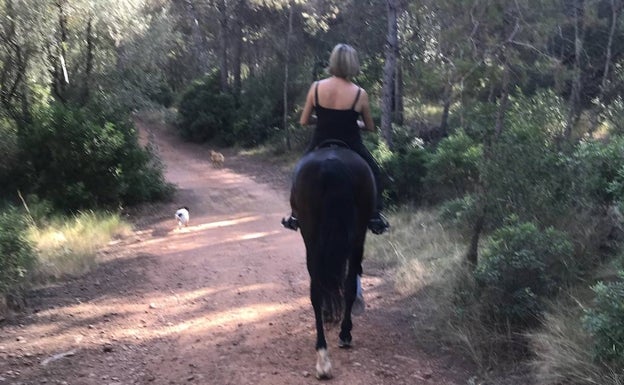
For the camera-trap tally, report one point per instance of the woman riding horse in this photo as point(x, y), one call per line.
point(338, 103)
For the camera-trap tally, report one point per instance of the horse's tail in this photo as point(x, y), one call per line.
point(337, 232)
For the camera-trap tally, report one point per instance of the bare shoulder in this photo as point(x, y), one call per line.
point(363, 100)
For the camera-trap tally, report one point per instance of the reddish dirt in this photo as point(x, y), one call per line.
point(223, 301)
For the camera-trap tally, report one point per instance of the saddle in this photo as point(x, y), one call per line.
point(329, 143)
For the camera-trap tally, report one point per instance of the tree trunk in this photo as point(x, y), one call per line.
point(223, 39)
point(389, 70)
point(286, 60)
point(237, 35)
point(398, 94)
point(472, 256)
point(89, 61)
point(574, 101)
point(448, 89)
point(503, 101)
point(597, 110)
point(198, 48)
point(60, 76)
point(13, 72)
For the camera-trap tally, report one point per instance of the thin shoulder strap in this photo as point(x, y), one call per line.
point(316, 103)
point(357, 97)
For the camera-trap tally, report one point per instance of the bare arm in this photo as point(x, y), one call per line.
point(369, 125)
point(307, 108)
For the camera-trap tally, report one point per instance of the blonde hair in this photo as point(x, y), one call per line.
point(343, 62)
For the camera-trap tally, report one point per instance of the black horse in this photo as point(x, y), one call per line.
point(333, 194)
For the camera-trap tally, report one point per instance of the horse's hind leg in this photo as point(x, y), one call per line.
point(323, 364)
point(355, 269)
point(347, 324)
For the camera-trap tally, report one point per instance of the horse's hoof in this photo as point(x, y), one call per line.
point(342, 344)
point(323, 376)
point(323, 365)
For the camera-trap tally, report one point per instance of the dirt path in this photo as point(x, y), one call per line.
point(224, 301)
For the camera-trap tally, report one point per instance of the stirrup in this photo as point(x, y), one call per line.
point(378, 224)
point(291, 223)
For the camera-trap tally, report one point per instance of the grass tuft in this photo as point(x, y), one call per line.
point(427, 258)
point(562, 347)
point(68, 246)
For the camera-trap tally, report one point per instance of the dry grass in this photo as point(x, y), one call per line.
point(421, 249)
point(562, 349)
point(68, 246)
point(427, 259)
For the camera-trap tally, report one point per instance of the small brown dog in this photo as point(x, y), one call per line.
point(216, 158)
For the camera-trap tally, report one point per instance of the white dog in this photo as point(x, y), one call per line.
point(182, 215)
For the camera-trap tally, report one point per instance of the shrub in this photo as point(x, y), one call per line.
point(616, 187)
point(82, 158)
point(260, 109)
point(520, 267)
point(205, 112)
point(453, 168)
point(604, 321)
point(9, 151)
point(460, 212)
point(407, 170)
point(600, 168)
point(17, 255)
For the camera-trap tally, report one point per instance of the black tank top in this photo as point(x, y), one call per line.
point(336, 124)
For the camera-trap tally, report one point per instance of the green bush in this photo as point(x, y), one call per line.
point(17, 255)
point(9, 151)
point(601, 168)
point(520, 267)
point(604, 321)
point(206, 113)
point(403, 169)
point(407, 170)
point(460, 212)
point(453, 168)
point(526, 173)
point(81, 158)
point(260, 108)
point(615, 116)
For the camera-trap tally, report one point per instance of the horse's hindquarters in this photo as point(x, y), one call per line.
point(334, 195)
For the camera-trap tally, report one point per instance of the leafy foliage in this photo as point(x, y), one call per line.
point(453, 168)
point(205, 112)
point(601, 168)
point(9, 149)
point(526, 174)
point(260, 108)
point(17, 255)
point(521, 266)
point(460, 212)
point(407, 170)
point(80, 158)
point(604, 321)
